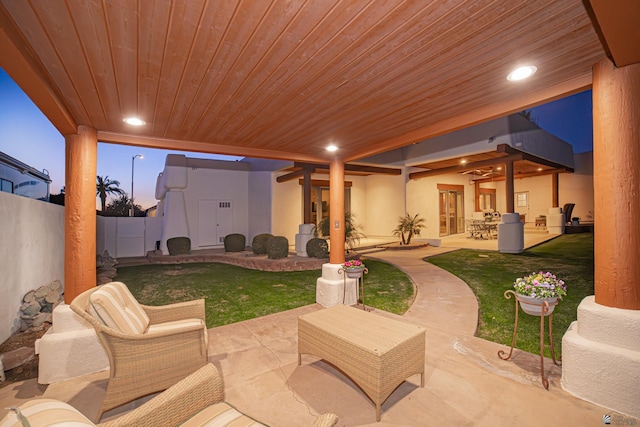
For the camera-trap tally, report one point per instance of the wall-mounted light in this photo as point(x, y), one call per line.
point(521, 73)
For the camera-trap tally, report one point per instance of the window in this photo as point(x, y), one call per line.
point(6, 186)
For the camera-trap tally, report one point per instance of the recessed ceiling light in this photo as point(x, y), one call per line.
point(463, 161)
point(331, 148)
point(539, 169)
point(134, 121)
point(521, 73)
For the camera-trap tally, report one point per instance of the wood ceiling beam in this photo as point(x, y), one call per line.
point(618, 25)
point(291, 175)
point(545, 162)
point(467, 166)
point(519, 176)
point(200, 147)
point(351, 168)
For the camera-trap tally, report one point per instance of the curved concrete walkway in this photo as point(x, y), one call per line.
point(443, 301)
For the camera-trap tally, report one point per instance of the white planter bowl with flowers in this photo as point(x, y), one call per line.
point(533, 290)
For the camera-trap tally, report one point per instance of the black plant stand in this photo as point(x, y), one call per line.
point(544, 310)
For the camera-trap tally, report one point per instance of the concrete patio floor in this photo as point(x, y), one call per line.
point(466, 384)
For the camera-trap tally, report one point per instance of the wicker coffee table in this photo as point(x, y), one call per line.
point(376, 352)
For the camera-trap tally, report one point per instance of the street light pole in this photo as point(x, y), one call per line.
point(133, 158)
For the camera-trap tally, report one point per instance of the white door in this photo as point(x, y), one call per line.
point(224, 221)
point(215, 220)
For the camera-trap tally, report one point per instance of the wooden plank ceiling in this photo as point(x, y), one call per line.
point(285, 78)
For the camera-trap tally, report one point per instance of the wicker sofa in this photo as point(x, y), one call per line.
point(195, 401)
point(149, 348)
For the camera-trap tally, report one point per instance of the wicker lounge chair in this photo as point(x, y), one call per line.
point(149, 348)
point(189, 403)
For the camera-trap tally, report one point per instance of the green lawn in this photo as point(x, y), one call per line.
point(490, 274)
point(233, 293)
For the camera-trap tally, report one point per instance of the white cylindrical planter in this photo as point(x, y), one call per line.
point(511, 234)
point(555, 221)
point(305, 233)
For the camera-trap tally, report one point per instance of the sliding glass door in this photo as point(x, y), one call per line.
point(451, 204)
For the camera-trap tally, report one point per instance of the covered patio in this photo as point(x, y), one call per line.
point(288, 80)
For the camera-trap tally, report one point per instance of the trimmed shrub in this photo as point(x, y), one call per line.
point(259, 243)
point(277, 247)
point(234, 242)
point(179, 246)
point(317, 248)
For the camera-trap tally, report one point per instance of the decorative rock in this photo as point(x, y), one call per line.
point(38, 304)
point(52, 296)
point(31, 309)
point(105, 268)
point(56, 285)
point(40, 319)
point(41, 292)
point(30, 296)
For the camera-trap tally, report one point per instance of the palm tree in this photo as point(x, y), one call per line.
point(105, 186)
point(410, 226)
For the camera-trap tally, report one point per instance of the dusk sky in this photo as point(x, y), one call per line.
point(27, 135)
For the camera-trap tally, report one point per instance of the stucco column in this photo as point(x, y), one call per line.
point(601, 350)
point(80, 212)
point(616, 172)
point(336, 211)
point(333, 287)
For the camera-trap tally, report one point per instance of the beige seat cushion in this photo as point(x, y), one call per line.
point(114, 305)
point(221, 415)
point(46, 412)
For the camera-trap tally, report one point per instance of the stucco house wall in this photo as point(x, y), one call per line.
point(577, 187)
point(223, 185)
point(423, 199)
point(260, 196)
point(286, 208)
point(384, 201)
point(31, 253)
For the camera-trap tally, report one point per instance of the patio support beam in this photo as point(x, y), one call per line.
point(616, 156)
point(555, 185)
point(336, 211)
point(80, 212)
point(306, 193)
point(477, 192)
point(509, 186)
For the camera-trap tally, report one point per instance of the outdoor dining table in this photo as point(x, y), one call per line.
point(481, 229)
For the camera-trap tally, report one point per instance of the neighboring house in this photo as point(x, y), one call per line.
point(21, 179)
point(207, 199)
